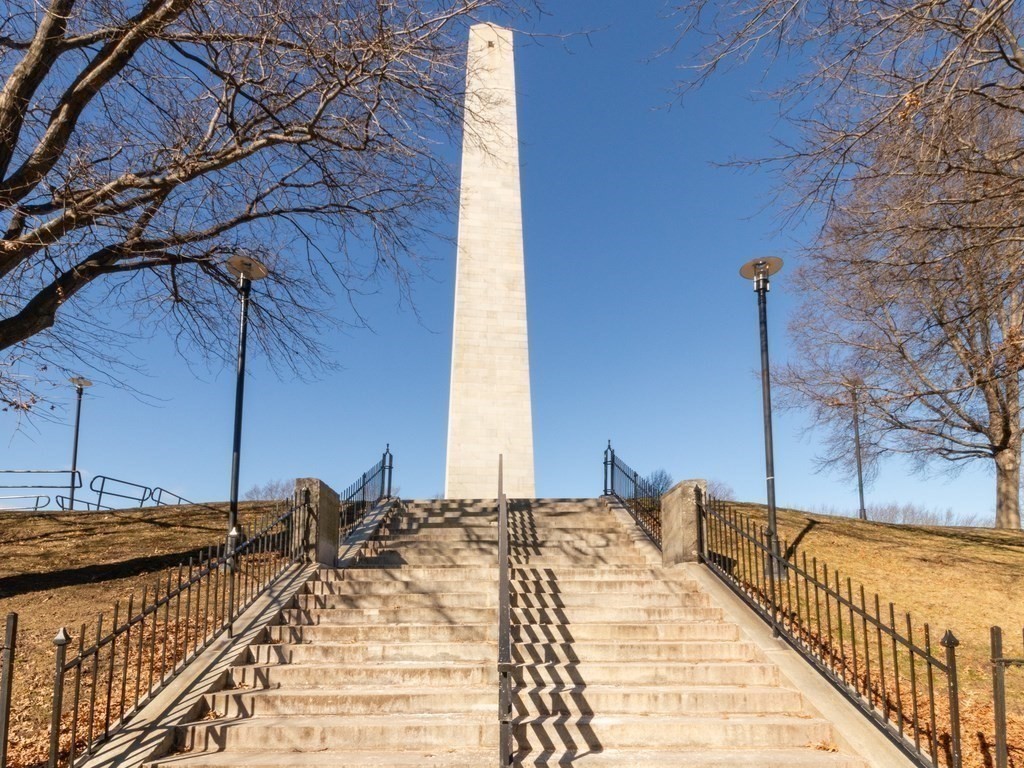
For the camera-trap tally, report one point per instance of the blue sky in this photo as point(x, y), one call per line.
point(641, 330)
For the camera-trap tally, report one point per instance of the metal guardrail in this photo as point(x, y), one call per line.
point(899, 681)
point(39, 476)
point(39, 501)
point(64, 503)
point(641, 499)
point(120, 489)
point(505, 664)
point(161, 497)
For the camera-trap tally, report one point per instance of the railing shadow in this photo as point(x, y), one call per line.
point(553, 716)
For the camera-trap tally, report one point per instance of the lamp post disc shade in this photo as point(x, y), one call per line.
point(249, 268)
point(79, 381)
point(770, 264)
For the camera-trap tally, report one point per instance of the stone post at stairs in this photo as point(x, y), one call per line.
point(324, 508)
point(679, 540)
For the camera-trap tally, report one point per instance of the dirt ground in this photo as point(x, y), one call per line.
point(63, 569)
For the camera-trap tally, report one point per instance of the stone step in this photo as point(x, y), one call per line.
point(544, 653)
point(547, 732)
point(654, 700)
point(286, 653)
point(426, 673)
point(434, 672)
point(573, 700)
point(651, 650)
point(481, 599)
point(519, 586)
point(314, 733)
point(544, 732)
point(539, 616)
point(472, 573)
point(354, 702)
point(464, 758)
point(530, 635)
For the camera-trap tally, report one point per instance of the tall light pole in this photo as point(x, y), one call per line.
point(80, 385)
point(862, 512)
point(759, 270)
point(247, 270)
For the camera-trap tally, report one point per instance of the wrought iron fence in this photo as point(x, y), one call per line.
point(639, 496)
point(105, 674)
point(365, 491)
point(505, 665)
point(888, 668)
point(1000, 664)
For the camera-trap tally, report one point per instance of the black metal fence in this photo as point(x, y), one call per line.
point(638, 495)
point(365, 491)
point(893, 671)
point(1000, 664)
point(106, 488)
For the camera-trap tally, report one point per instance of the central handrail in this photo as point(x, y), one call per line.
point(505, 665)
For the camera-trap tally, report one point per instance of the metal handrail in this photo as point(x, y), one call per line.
point(157, 497)
point(141, 496)
point(889, 676)
point(64, 502)
point(73, 477)
point(505, 664)
point(636, 494)
point(40, 502)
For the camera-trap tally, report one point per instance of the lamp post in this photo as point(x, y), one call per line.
point(247, 270)
point(862, 512)
point(759, 270)
point(80, 385)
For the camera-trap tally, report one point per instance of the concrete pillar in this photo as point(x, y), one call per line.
point(679, 542)
point(325, 507)
point(489, 409)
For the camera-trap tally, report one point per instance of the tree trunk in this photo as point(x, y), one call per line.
point(1008, 485)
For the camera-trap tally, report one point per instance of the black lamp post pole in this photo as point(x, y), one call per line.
point(761, 286)
point(862, 512)
point(245, 286)
point(74, 448)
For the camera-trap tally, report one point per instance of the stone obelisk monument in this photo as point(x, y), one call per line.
point(489, 407)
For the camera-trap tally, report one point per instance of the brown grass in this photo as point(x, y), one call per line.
point(65, 569)
point(961, 579)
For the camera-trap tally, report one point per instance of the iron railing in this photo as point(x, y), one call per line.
point(1000, 663)
point(35, 502)
point(36, 479)
point(7, 649)
point(505, 665)
point(161, 497)
point(880, 662)
point(107, 673)
point(640, 497)
point(365, 491)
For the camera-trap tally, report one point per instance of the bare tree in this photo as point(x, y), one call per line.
point(660, 481)
point(141, 144)
point(908, 144)
point(914, 301)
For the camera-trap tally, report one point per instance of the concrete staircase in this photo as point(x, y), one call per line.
point(392, 664)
